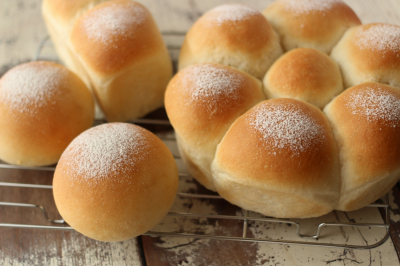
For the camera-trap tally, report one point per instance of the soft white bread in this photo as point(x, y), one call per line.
point(202, 101)
point(369, 52)
point(233, 35)
point(123, 53)
point(304, 74)
point(317, 24)
point(115, 181)
point(59, 17)
point(280, 159)
point(366, 124)
point(43, 107)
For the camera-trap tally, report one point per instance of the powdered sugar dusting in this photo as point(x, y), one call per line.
point(113, 21)
point(104, 150)
point(286, 126)
point(379, 37)
point(30, 86)
point(375, 104)
point(232, 12)
point(208, 81)
point(307, 6)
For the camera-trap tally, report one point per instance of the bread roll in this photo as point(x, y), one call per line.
point(366, 124)
point(59, 17)
point(115, 181)
point(233, 35)
point(304, 74)
point(317, 24)
point(43, 107)
point(280, 159)
point(202, 101)
point(122, 51)
point(370, 53)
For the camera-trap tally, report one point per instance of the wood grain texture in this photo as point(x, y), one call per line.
point(394, 200)
point(21, 31)
point(183, 251)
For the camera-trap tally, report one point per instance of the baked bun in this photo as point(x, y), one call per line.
point(317, 24)
point(59, 17)
point(233, 35)
point(115, 181)
point(123, 53)
point(43, 107)
point(202, 101)
point(304, 74)
point(280, 159)
point(366, 124)
point(370, 52)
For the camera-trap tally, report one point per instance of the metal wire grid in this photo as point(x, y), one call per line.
point(61, 225)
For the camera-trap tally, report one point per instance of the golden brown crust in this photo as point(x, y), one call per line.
point(191, 111)
point(123, 205)
point(59, 17)
point(304, 74)
point(366, 123)
point(202, 101)
point(36, 131)
point(280, 147)
point(107, 51)
point(312, 24)
point(121, 53)
point(233, 35)
point(370, 52)
point(297, 170)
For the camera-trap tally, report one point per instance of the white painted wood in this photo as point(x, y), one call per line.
point(22, 29)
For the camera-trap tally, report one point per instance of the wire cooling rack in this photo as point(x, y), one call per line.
point(244, 217)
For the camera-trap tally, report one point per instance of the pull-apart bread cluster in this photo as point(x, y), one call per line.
point(315, 145)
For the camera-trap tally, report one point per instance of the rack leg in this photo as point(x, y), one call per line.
point(245, 224)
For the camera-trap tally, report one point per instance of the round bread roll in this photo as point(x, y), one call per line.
point(304, 74)
point(370, 52)
point(366, 124)
point(123, 53)
point(115, 181)
point(43, 107)
point(317, 24)
point(233, 35)
point(280, 159)
point(202, 101)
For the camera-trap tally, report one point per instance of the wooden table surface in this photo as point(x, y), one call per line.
point(21, 31)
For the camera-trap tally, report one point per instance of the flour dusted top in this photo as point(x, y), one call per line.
point(209, 81)
point(30, 86)
point(379, 37)
point(113, 21)
point(109, 149)
point(375, 104)
point(286, 126)
point(232, 12)
point(307, 6)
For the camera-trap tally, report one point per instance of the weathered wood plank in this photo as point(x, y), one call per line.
point(182, 251)
point(21, 30)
